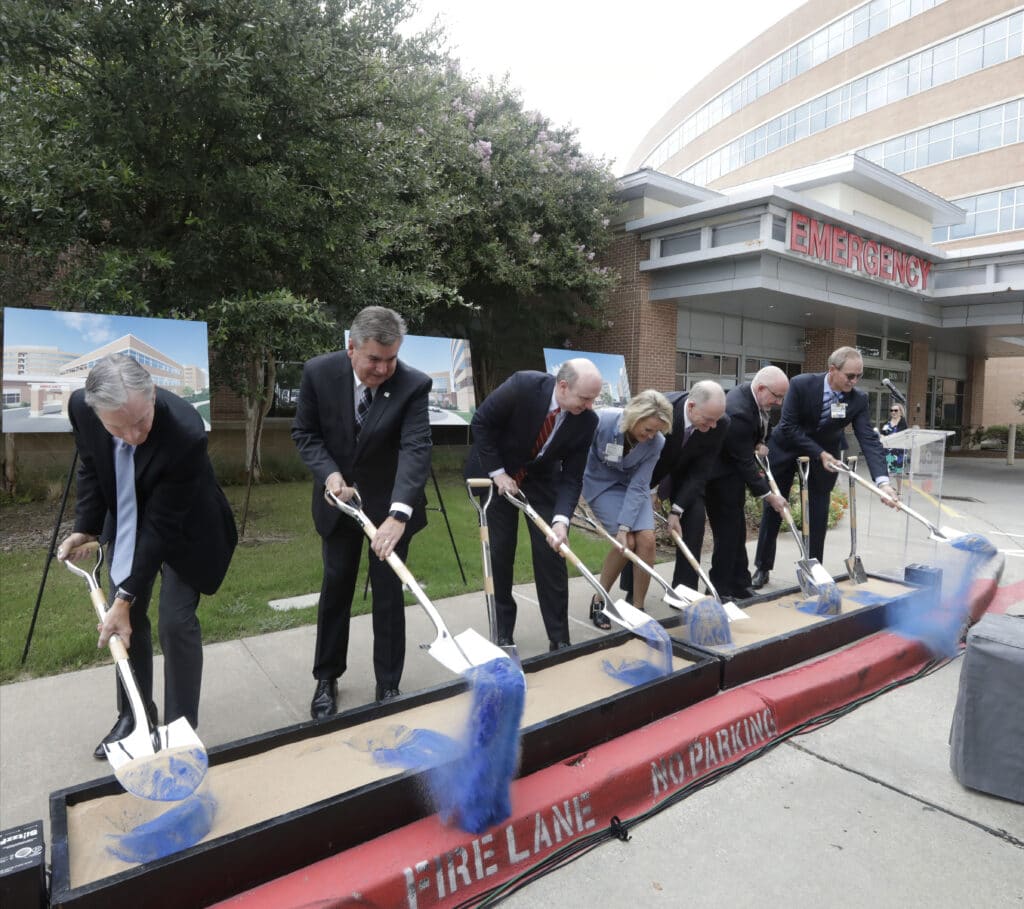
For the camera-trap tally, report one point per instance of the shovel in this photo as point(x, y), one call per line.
point(160, 763)
point(678, 597)
point(732, 611)
point(459, 653)
point(619, 611)
point(854, 566)
point(810, 574)
point(485, 548)
point(939, 534)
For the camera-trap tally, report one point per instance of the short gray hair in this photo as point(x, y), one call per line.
point(705, 391)
point(840, 355)
point(377, 323)
point(648, 403)
point(114, 379)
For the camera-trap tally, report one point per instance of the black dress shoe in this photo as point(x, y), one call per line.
point(325, 699)
point(124, 725)
point(759, 579)
point(744, 593)
point(505, 642)
point(386, 694)
point(557, 645)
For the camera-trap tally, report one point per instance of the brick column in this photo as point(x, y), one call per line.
point(644, 332)
point(820, 342)
point(917, 389)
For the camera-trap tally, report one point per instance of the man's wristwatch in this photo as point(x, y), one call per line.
point(123, 594)
point(398, 515)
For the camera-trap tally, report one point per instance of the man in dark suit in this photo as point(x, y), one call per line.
point(533, 433)
point(145, 481)
point(818, 408)
point(363, 422)
point(734, 472)
point(699, 425)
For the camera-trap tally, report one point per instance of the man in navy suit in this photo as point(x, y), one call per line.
point(734, 472)
point(363, 422)
point(506, 429)
point(818, 408)
point(168, 516)
point(699, 425)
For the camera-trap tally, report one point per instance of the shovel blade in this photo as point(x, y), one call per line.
point(680, 597)
point(626, 615)
point(465, 651)
point(803, 578)
point(855, 569)
point(167, 773)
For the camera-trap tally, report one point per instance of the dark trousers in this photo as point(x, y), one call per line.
point(181, 641)
point(724, 500)
point(819, 493)
point(342, 551)
point(692, 524)
point(549, 570)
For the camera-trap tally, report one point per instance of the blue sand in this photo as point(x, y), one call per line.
point(936, 617)
point(657, 639)
point(469, 780)
point(633, 672)
point(182, 826)
point(420, 749)
point(829, 601)
point(866, 598)
point(707, 624)
point(165, 776)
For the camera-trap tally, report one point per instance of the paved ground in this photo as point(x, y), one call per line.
point(864, 812)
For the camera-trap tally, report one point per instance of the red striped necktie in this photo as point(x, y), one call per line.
point(545, 431)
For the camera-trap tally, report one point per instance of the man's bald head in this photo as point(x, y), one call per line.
point(577, 385)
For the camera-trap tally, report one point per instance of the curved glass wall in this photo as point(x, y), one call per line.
point(865, 22)
point(987, 213)
point(956, 58)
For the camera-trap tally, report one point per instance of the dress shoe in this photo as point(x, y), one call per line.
point(325, 699)
point(759, 579)
point(386, 694)
point(557, 645)
point(124, 725)
point(744, 593)
point(505, 642)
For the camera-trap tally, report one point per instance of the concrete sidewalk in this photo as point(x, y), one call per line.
point(869, 798)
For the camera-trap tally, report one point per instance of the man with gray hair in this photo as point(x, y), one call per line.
point(145, 482)
point(363, 421)
point(533, 433)
point(736, 471)
point(818, 408)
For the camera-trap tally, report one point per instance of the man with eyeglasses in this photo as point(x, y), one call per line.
point(817, 409)
point(735, 471)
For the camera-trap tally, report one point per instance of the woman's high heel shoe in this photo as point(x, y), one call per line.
point(599, 619)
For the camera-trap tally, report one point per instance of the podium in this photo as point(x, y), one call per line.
point(916, 461)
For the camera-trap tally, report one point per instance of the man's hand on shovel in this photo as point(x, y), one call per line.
point(116, 622)
point(75, 547)
point(889, 496)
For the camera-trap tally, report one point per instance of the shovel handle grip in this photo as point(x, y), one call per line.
point(479, 482)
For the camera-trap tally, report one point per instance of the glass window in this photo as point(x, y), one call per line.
point(726, 234)
point(730, 365)
point(778, 228)
point(709, 364)
point(680, 243)
point(897, 350)
point(869, 346)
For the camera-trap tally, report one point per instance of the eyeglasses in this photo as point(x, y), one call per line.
point(894, 410)
point(853, 376)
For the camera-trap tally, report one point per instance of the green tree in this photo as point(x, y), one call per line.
point(251, 335)
point(524, 242)
point(165, 155)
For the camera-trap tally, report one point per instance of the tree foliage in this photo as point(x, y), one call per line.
point(184, 157)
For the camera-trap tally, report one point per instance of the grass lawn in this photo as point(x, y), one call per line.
point(279, 557)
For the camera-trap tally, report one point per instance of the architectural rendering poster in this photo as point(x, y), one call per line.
point(614, 389)
point(47, 355)
point(447, 361)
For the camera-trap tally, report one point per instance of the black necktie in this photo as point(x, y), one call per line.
point(363, 408)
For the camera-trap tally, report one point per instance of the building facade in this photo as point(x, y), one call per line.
point(855, 175)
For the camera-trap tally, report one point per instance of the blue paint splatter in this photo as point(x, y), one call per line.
point(166, 776)
point(182, 826)
point(866, 597)
point(658, 640)
point(416, 748)
point(936, 617)
point(707, 624)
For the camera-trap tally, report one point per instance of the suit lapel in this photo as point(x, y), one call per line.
point(380, 405)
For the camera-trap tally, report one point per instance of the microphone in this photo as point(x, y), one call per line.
point(894, 391)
